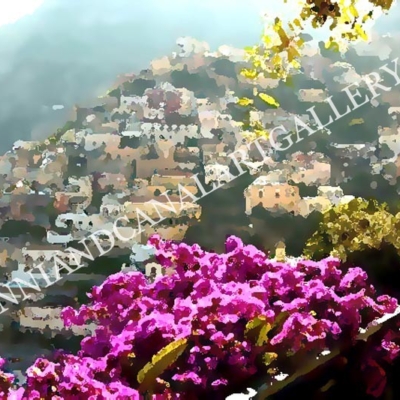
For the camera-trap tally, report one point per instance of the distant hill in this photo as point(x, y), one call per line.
point(70, 52)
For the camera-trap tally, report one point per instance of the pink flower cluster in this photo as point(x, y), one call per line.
point(209, 301)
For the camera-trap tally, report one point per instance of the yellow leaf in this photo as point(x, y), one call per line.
point(366, 17)
point(251, 50)
point(261, 134)
point(268, 99)
point(266, 39)
point(356, 121)
point(249, 73)
point(297, 22)
point(278, 24)
point(276, 59)
point(361, 33)
point(160, 362)
point(244, 101)
point(296, 64)
point(353, 11)
point(268, 358)
point(292, 53)
point(332, 45)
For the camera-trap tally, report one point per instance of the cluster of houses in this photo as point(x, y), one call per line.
point(277, 190)
point(146, 137)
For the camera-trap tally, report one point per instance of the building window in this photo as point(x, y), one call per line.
point(260, 194)
point(277, 195)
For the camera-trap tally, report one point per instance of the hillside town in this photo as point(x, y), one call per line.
point(151, 133)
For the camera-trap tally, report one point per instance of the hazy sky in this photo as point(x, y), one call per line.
point(70, 51)
point(11, 11)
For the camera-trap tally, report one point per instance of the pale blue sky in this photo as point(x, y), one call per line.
point(11, 11)
point(211, 10)
point(70, 51)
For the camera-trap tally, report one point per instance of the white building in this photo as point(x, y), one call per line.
point(217, 173)
point(141, 253)
point(332, 193)
point(55, 238)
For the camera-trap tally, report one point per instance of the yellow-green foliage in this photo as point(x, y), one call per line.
point(280, 48)
point(356, 121)
point(275, 57)
point(355, 226)
point(345, 18)
point(269, 358)
point(160, 362)
point(257, 331)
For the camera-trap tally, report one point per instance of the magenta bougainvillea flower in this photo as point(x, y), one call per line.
point(206, 329)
